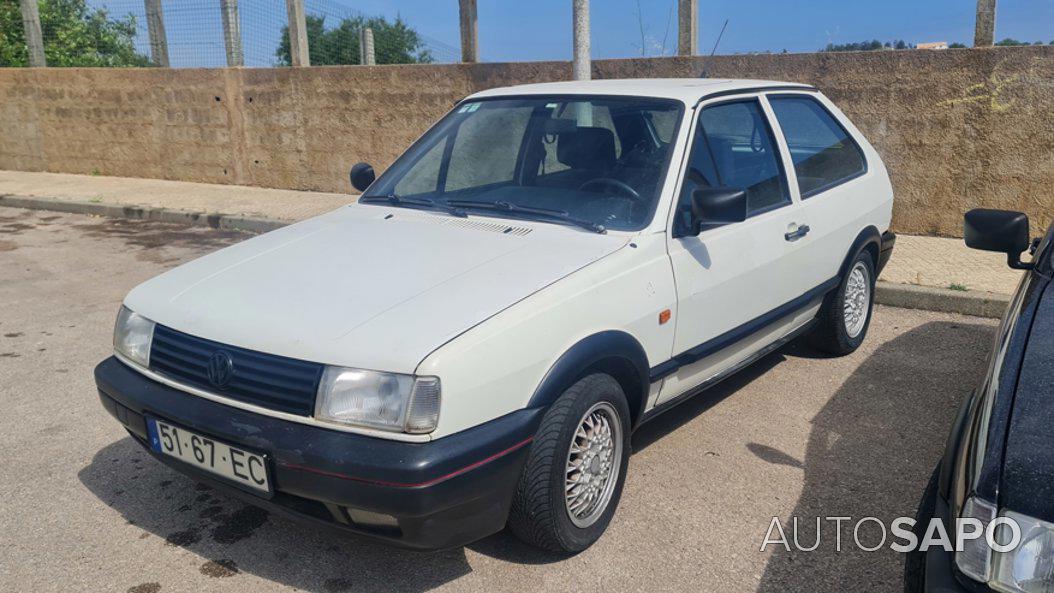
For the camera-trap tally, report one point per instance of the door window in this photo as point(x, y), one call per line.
point(824, 154)
point(734, 147)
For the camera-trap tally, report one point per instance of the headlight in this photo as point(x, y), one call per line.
point(1019, 558)
point(132, 335)
point(1028, 568)
point(387, 401)
point(975, 558)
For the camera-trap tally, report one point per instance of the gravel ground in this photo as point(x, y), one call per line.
point(84, 509)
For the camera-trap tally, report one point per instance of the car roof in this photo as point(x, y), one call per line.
point(688, 90)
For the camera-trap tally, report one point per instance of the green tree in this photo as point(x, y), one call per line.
point(74, 35)
point(1011, 42)
point(872, 45)
point(858, 46)
point(393, 42)
point(956, 45)
point(12, 39)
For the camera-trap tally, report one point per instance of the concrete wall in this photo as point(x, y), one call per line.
point(957, 128)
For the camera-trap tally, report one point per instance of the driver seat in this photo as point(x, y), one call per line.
point(588, 149)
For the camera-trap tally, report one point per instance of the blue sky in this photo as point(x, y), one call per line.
point(515, 30)
point(541, 29)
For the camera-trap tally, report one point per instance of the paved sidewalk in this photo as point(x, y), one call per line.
point(934, 262)
point(278, 204)
point(947, 263)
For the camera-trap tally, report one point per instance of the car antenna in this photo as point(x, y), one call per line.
point(706, 71)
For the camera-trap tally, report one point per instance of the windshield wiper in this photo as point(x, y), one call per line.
point(395, 200)
point(502, 206)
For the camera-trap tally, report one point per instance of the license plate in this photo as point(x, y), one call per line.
point(239, 466)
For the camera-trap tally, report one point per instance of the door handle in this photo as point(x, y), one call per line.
point(797, 233)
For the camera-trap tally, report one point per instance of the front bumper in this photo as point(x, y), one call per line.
point(443, 493)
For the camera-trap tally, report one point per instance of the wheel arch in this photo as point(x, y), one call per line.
point(869, 239)
point(614, 352)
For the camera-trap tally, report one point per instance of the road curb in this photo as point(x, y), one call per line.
point(965, 302)
point(907, 296)
point(214, 220)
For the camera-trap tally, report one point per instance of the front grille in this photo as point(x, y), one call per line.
point(265, 380)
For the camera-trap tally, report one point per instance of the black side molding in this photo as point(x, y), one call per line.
point(738, 333)
point(667, 405)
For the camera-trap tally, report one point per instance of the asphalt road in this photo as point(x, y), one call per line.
point(82, 508)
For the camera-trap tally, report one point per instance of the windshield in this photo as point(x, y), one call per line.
point(599, 160)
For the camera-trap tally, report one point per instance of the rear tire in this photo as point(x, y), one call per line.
point(846, 313)
point(575, 470)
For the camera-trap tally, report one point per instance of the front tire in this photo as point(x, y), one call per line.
point(575, 470)
point(846, 315)
point(915, 561)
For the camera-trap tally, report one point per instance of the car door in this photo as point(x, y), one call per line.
point(828, 170)
point(734, 281)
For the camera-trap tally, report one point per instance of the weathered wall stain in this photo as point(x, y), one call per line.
point(957, 128)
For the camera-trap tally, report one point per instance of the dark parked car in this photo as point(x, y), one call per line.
point(999, 460)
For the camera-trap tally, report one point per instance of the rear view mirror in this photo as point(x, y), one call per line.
point(1004, 231)
point(559, 126)
point(718, 205)
point(362, 176)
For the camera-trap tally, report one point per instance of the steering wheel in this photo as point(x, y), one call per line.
point(615, 184)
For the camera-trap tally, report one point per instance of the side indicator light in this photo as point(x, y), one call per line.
point(664, 316)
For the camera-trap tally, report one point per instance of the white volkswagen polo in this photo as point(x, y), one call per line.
point(472, 344)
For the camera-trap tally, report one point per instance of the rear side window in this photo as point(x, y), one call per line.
point(824, 154)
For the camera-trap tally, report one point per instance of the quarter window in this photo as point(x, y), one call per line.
point(824, 154)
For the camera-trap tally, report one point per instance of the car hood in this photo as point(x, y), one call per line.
point(1028, 468)
point(366, 286)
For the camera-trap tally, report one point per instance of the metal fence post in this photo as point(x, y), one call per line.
point(367, 57)
point(984, 27)
point(688, 27)
point(298, 49)
point(34, 38)
point(155, 25)
point(580, 66)
point(232, 33)
point(469, 31)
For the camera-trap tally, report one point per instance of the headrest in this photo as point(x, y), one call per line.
point(586, 148)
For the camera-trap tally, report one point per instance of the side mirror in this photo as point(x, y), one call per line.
point(1004, 231)
point(718, 205)
point(362, 176)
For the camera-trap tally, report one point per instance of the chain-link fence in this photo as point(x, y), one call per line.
point(207, 34)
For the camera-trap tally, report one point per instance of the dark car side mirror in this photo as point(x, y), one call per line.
point(1004, 231)
point(717, 205)
point(362, 176)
